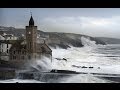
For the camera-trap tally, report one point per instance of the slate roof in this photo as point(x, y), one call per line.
point(41, 48)
point(31, 21)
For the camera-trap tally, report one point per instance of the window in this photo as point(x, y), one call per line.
point(14, 52)
point(2, 45)
point(22, 52)
point(30, 45)
point(10, 57)
point(7, 45)
point(18, 51)
point(23, 57)
point(35, 45)
point(14, 57)
point(29, 57)
point(7, 50)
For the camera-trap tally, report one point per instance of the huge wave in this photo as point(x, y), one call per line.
point(79, 59)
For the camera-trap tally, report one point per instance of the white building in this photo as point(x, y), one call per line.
point(10, 37)
point(4, 46)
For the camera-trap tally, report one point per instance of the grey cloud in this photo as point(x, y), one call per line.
point(100, 27)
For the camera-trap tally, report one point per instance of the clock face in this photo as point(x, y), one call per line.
point(29, 32)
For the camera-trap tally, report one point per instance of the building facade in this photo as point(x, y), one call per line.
point(29, 49)
point(4, 48)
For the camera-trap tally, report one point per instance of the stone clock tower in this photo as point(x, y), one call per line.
point(31, 36)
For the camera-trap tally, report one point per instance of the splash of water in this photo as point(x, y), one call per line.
point(72, 55)
point(87, 42)
point(43, 64)
point(83, 56)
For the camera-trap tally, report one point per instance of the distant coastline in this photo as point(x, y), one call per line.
point(54, 39)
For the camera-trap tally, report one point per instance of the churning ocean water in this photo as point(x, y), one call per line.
point(103, 60)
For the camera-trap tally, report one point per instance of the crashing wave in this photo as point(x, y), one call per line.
point(87, 42)
point(43, 64)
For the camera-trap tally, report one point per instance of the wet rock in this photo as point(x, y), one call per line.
point(64, 71)
point(61, 59)
point(83, 67)
point(64, 59)
point(58, 58)
point(90, 67)
point(76, 66)
point(98, 67)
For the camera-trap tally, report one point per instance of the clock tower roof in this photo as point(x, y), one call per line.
point(31, 21)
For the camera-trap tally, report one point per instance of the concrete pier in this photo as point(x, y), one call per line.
point(6, 73)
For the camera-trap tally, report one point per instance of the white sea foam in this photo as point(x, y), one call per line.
point(91, 55)
point(20, 81)
point(43, 64)
point(84, 56)
point(87, 42)
point(83, 79)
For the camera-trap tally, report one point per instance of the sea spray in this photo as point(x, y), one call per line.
point(88, 56)
point(43, 64)
point(73, 55)
point(87, 42)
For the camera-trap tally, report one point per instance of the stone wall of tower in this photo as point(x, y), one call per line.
point(31, 38)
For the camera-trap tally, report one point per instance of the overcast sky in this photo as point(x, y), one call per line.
point(98, 22)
